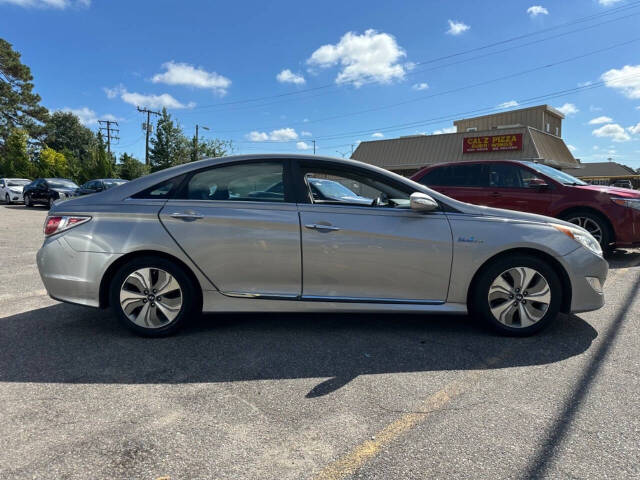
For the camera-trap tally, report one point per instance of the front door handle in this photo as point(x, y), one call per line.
point(186, 215)
point(316, 226)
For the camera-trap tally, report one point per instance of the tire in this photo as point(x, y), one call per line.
point(7, 199)
point(594, 223)
point(143, 313)
point(27, 201)
point(509, 311)
point(51, 202)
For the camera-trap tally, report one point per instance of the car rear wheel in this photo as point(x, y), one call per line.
point(27, 201)
point(51, 202)
point(517, 295)
point(592, 223)
point(7, 199)
point(153, 296)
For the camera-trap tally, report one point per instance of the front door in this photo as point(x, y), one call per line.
point(362, 242)
point(240, 227)
point(517, 188)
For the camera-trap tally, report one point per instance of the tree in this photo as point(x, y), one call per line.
point(130, 168)
point(211, 148)
point(52, 164)
point(20, 107)
point(168, 146)
point(64, 132)
point(15, 157)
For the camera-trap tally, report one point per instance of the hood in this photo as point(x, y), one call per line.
point(17, 188)
point(615, 191)
point(510, 214)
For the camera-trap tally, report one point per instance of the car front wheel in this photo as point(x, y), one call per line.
point(7, 199)
point(153, 296)
point(517, 295)
point(27, 201)
point(593, 223)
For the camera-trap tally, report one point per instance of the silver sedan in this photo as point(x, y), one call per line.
point(250, 233)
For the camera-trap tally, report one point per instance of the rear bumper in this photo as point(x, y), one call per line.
point(580, 265)
point(69, 275)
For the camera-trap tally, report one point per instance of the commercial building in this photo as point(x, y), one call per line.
point(532, 133)
point(605, 173)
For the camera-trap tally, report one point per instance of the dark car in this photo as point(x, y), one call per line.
point(45, 191)
point(99, 185)
point(611, 215)
point(623, 184)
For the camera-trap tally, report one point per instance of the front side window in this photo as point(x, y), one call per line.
point(60, 183)
point(352, 188)
point(254, 182)
point(502, 175)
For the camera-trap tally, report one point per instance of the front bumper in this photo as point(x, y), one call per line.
point(15, 196)
point(69, 275)
point(580, 265)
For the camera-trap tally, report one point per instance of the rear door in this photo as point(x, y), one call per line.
point(238, 222)
point(514, 187)
point(466, 182)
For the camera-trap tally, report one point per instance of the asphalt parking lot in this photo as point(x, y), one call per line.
point(311, 396)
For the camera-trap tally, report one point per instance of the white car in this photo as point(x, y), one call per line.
point(11, 189)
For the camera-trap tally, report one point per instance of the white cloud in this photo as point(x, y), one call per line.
point(185, 74)
point(305, 120)
point(59, 4)
point(599, 120)
point(606, 3)
point(370, 57)
point(536, 10)
point(635, 129)
point(445, 130)
point(377, 135)
point(88, 117)
point(149, 101)
point(593, 108)
point(456, 28)
point(585, 84)
point(568, 109)
point(509, 104)
point(626, 79)
point(420, 86)
point(303, 146)
point(304, 133)
point(572, 148)
point(279, 135)
point(287, 76)
point(613, 131)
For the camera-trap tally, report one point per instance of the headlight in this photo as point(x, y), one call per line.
point(583, 237)
point(627, 202)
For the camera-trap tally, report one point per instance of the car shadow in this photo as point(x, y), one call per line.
point(22, 206)
point(68, 344)
point(623, 258)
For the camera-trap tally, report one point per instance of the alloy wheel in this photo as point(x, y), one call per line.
point(519, 297)
point(151, 297)
point(590, 225)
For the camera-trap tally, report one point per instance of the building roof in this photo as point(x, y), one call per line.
point(420, 150)
point(601, 169)
point(547, 108)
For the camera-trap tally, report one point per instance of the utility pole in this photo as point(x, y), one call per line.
point(147, 127)
point(196, 145)
point(314, 146)
point(108, 129)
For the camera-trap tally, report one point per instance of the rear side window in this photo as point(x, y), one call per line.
point(162, 190)
point(248, 182)
point(462, 175)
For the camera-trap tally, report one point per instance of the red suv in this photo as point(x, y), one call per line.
point(612, 215)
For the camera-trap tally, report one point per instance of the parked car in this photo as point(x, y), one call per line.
point(45, 191)
point(611, 215)
point(99, 185)
point(11, 189)
point(623, 184)
point(166, 246)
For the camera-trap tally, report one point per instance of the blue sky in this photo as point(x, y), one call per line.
point(273, 76)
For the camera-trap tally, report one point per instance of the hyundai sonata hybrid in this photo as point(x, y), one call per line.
point(216, 236)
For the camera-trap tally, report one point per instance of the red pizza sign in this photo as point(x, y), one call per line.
point(492, 143)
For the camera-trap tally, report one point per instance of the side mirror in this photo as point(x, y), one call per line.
point(538, 183)
point(421, 202)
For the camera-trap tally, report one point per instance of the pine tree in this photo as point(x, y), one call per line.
point(167, 146)
point(130, 168)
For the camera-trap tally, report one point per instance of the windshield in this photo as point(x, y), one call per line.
point(557, 175)
point(17, 182)
point(332, 189)
point(113, 183)
point(60, 183)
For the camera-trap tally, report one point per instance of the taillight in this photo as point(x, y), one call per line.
point(59, 223)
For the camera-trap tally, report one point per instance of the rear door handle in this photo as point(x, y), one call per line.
point(316, 226)
point(187, 215)
point(495, 194)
